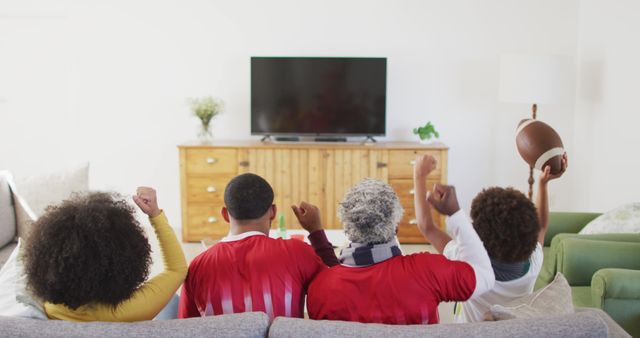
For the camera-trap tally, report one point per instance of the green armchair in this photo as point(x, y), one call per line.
point(603, 270)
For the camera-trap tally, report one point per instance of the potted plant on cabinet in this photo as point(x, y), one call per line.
point(206, 108)
point(427, 133)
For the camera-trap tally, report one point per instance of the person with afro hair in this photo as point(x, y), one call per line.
point(88, 259)
point(511, 228)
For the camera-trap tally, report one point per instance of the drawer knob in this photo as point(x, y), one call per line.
point(211, 189)
point(413, 221)
point(212, 219)
point(412, 162)
point(411, 192)
point(211, 160)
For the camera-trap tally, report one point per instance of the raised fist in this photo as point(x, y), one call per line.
point(147, 201)
point(308, 215)
point(444, 199)
point(424, 165)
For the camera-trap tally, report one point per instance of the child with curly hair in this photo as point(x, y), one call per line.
point(511, 228)
point(88, 259)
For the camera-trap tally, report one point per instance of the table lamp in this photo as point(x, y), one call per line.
point(534, 79)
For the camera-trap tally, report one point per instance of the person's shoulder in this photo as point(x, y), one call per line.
point(209, 252)
point(423, 257)
point(427, 262)
point(297, 245)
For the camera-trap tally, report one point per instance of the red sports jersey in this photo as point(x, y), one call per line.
point(400, 290)
point(250, 272)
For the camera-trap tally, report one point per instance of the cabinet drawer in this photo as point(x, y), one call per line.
point(404, 190)
point(205, 189)
point(401, 162)
point(408, 231)
point(212, 161)
point(205, 220)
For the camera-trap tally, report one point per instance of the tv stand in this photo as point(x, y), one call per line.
point(319, 173)
point(330, 139)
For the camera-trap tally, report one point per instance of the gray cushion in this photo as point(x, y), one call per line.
point(615, 330)
point(7, 215)
point(5, 252)
point(253, 324)
point(573, 325)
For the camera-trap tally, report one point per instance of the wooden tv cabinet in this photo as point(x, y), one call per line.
point(319, 173)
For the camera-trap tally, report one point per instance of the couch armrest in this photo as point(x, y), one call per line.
point(579, 259)
point(550, 265)
point(567, 222)
point(617, 292)
point(615, 283)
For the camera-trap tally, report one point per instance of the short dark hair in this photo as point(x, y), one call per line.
point(507, 223)
point(88, 249)
point(248, 196)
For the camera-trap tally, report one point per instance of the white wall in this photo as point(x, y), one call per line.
point(106, 81)
point(606, 162)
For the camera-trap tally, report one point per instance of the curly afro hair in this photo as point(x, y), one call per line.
point(370, 212)
point(89, 249)
point(507, 223)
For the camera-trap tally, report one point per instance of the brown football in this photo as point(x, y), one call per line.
point(539, 145)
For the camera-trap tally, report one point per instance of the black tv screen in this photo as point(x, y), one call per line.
point(318, 96)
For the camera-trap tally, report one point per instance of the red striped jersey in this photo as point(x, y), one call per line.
point(250, 272)
point(400, 290)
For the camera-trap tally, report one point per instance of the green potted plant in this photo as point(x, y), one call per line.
point(205, 108)
point(426, 132)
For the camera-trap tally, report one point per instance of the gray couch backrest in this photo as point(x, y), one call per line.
point(585, 324)
point(251, 324)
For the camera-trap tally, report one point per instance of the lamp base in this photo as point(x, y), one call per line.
point(531, 181)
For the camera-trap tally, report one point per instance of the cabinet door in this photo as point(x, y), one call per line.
point(288, 171)
point(344, 168)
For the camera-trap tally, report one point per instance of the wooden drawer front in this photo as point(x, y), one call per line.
point(205, 220)
point(404, 190)
point(407, 229)
point(203, 189)
point(212, 161)
point(401, 162)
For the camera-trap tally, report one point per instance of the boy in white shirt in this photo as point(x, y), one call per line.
point(510, 227)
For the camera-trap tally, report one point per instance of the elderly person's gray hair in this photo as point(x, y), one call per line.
point(370, 212)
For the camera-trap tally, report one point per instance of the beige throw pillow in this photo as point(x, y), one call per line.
point(553, 299)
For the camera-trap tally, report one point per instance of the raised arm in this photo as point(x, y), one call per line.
point(309, 217)
point(542, 204)
point(468, 246)
point(153, 295)
point(424, 165)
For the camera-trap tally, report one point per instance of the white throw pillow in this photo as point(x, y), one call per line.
point(15, 300)
point(552, 300)
point(40, 191)
point(7, 214)
point(624, 219)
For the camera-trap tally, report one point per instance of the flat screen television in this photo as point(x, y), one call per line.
point(332, 96)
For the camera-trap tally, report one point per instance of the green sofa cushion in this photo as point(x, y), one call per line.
point(581, 296)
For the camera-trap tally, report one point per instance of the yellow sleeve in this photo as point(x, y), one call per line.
point(150, 298)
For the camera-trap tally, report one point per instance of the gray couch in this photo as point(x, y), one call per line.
point(14, 216)
point(584, 323)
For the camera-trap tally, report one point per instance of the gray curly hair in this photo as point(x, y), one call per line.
point(370, 212)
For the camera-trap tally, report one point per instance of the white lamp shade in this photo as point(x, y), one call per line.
point(534, 78)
